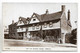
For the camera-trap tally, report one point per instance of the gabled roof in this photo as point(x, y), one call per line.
point(48, 17)
point(23, 19)
point(52, 16)
point(37, 15)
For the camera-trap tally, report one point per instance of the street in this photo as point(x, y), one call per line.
point(24, 43)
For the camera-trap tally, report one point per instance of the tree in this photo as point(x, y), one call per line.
point(73, 39)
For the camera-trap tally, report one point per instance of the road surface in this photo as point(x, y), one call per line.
point(24, 43)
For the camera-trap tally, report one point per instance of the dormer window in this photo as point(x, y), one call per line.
point(51, 24)
point(34, 19)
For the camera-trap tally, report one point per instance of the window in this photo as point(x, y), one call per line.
point(26, 22)
point(33, 27)
point(19, 18)
point(19, 28)
point(34, 19)
point(19, 34)
point(51, 24)
point(45, 25)
point(20, 22)
point(22, 28)
point(37, 27)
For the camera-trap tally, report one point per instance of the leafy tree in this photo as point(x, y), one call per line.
point(73, 39)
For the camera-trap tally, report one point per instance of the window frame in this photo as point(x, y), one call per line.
point(34, 19)
point(37, 26)
point(45, 25)
point(33, 27)
point(50, 24)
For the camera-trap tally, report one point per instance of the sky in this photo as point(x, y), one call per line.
point(12, 11)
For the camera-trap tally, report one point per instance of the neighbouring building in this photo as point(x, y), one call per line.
point(13, 30)
point(6, 32)
point(18, 30)
point(51, 27)
point(21, 28)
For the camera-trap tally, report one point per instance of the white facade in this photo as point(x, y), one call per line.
point(21, 30)
point(34, 20)
point(35, 28)
point(20, 23)
point(47, 27)
point(54, 26)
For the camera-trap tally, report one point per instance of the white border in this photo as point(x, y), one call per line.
point(38, 1)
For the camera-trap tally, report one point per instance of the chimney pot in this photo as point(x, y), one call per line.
point(12, 21)
point(63, 8)
point(47, 11)
point(68, 14)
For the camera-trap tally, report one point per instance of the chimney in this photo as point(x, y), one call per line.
point(68, 14)
point(47, 11)
point(12, 21)
point(63, 8)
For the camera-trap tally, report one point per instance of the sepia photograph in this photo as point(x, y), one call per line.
point(40, 26)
